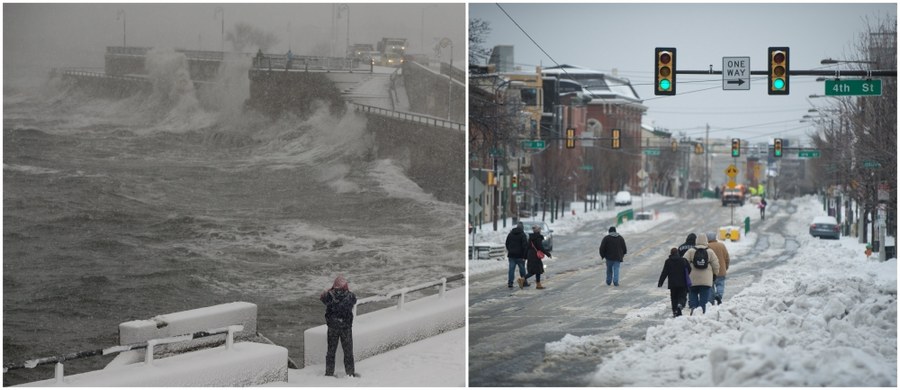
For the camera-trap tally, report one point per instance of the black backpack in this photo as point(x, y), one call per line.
point(701, 259)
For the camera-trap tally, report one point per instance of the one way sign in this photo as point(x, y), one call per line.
point(735, 73)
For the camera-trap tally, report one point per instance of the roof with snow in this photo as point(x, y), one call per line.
point(599, 85)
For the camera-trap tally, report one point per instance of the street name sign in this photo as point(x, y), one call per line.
point(735, 73)
point(651, 152)
point(587, 167)
point(539, 144)
point(809, 154)
point(871, 164)
point(852, 87)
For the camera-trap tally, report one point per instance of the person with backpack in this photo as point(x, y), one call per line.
point(339, 302)
point(677, 270)
point(535, 255)
point(689, 243)
point(613, 250)
point(704, 264)
point(516, 249)
point(718, 290)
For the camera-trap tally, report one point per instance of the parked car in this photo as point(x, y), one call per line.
point(825, 226)
point(623, 198)
point(545, 231)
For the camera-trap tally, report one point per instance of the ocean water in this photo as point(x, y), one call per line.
point(115, 210)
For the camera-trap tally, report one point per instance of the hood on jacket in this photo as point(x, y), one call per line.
point(702, 241)
point(614, 234)
point(711, 237)
point(691, 239)
point(340, 283)
point(518, 229)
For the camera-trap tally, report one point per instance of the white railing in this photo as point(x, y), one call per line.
point(401, 293)
point(149, 345)
point(410, 117)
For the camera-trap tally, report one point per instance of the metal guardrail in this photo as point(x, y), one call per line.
point(148, 345)
point(84, 73)
point(455, 74)
point(487, 252)
point(427, 120)
point(406, 290)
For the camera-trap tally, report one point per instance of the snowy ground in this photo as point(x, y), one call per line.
point(826, 317)
point(565, 225)
point(438, 361)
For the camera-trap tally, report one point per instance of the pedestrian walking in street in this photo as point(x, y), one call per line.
point(677, 270)
point(535, 254)
point(704, 264)
point(613, 250)
point(724, 261)
point(762, 208)
point(689, 243)
point(516, 249)
point(339, 302)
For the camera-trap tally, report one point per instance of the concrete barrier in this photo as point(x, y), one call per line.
point(389, 328)
point(244, 364)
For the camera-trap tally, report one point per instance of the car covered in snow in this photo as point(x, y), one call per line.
point(623, 198)
point(825, 227)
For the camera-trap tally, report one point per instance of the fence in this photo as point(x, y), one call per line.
point(280, 61)
point(406, 290)
point(427, 120)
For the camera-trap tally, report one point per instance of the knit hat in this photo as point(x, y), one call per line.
point(710, 236)
point(520, 225)
point(536, 227)
point(612, 229)
point(340, 283)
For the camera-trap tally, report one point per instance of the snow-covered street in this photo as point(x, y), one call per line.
point(798, 311)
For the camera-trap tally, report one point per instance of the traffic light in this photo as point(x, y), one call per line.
point(570, 138)
point(735, 147)
point(665, 71)
point(777, 147)
point(779, 71)
point(515, 181)
point(698, 148)
point(616, 143)
point(674, 145)
point(490, 178)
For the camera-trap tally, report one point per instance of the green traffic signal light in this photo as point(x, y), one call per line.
point(779, 84)
point(664, 85)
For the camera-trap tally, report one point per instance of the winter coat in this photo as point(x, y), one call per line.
point(339, 302)
point(674, 270)
point(517, 243)
point(722, 254)
point(535, 265)
point(613, 247)
point(703, 277)
point(689, 243)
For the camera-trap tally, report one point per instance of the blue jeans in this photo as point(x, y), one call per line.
point(513, 263)
point(698, 296)
point(612, 272)
point(719, 287)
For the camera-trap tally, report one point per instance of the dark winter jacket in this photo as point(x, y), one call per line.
point(674, 270)
point(613, 247)
point(339, 302)
point(535, 265)
point(688, 244)
point(517, 243)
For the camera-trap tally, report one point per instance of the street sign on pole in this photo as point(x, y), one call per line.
point(538, 144)
point(735, 73)
point(852, 87)
point(870, 164)
point(813, 153)
point(586, 168)
point(587, 139)
point(651, 152)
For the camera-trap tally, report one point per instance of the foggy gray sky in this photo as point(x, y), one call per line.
point(77, 34)
point(623, 36)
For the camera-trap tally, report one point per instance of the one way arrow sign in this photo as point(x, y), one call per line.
point(735, 73)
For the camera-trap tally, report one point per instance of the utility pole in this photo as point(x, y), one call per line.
point(706, 151)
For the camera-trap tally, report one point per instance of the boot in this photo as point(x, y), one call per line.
point(521, 282)
point(539, 287)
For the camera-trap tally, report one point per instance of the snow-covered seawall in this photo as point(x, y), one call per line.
point(380, 331)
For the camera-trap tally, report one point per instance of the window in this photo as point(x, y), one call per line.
point(529, 96)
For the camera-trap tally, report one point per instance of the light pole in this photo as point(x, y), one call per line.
point(121, 13)
point(442, 44)
point(216, 12)
point(341, 9)
point(289, 35)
